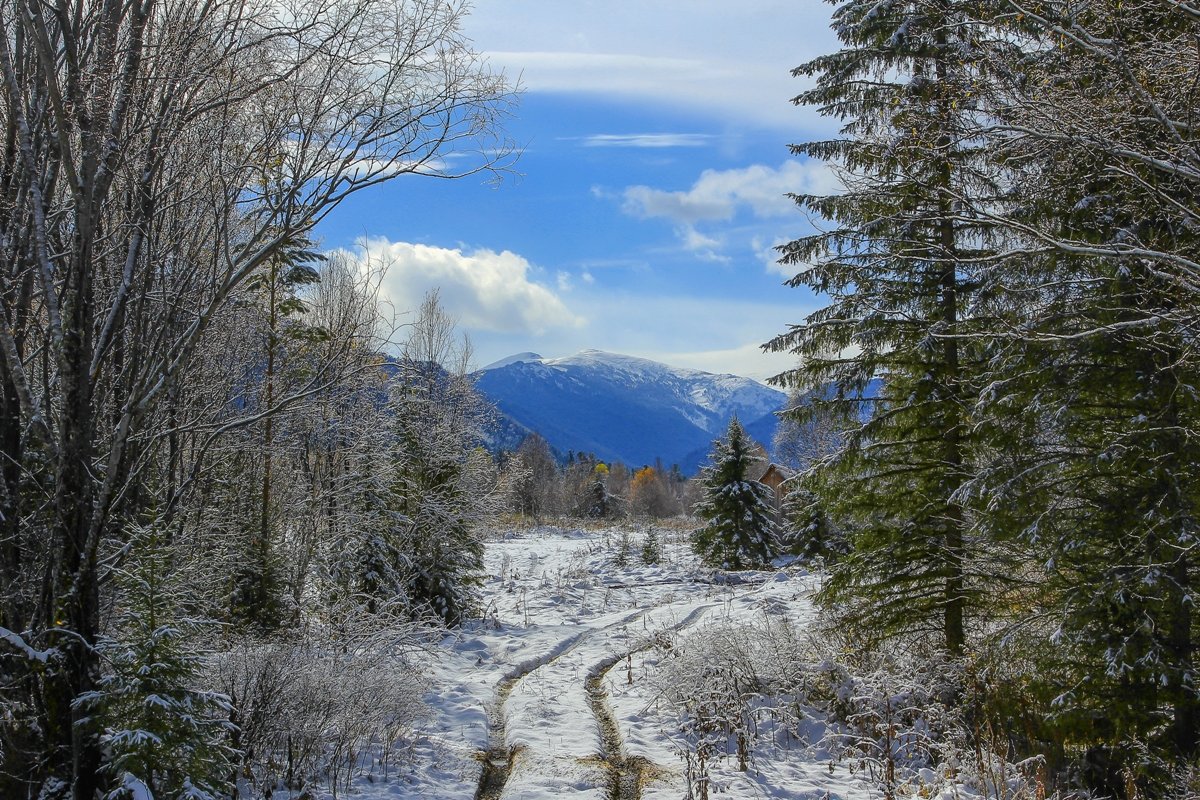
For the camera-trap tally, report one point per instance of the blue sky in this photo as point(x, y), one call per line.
point(642, 211)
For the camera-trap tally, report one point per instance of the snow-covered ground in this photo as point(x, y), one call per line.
point(559, 691)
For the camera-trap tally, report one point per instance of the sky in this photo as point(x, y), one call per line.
point(650, 189)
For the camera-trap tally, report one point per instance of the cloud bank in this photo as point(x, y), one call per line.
point(486, 290)
point(711, 57)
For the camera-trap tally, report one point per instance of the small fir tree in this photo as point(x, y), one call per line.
point(806, 530)
point(163, 736)
point(652, 549)
point(739, 512)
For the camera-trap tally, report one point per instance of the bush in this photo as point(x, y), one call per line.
point(901, 719)
point(718, 679)
point(309, 710)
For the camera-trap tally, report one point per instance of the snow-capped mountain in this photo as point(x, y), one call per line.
point(625, 408)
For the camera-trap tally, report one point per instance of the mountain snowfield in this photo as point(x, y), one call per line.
point(624, 408)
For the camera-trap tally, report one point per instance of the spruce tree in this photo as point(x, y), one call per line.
point(1095, 415)
point(739, 513)
point(161, 733)
point(892, 346)
point(436, 490)
point(433, 493)
point(806, 530)
point(1100, 483)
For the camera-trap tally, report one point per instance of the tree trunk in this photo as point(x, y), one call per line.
point(1185, 726)
point(74, 588)
point(954, 600)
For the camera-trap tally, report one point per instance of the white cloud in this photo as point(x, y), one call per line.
point(770, 256)
point(487, 291)
point(701, 212)
point(725, 59)
point(685, 207)
point(650, 140)
point(699, 242)
point(718, 195)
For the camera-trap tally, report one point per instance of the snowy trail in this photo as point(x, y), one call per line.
point(626, 774)
point(553, 720)
point(497, 761)
point(556, 693)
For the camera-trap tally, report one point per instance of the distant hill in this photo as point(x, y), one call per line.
point(624, 408)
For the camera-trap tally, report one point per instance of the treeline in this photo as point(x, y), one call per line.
point(539, 486)
point(213, 491)
point(1013, 261)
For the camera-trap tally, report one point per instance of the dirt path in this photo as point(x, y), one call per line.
point(625, 774)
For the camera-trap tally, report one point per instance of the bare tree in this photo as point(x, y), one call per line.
point(158, 154)
point(538, 490)
point(802, 443)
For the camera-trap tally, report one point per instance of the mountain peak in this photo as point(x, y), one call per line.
point(627, 408)
point(519, 358)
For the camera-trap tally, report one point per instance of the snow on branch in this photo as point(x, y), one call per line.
point(18, 642)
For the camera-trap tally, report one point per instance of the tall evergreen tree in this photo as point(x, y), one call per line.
point(739, 512)
point(897, 266)
point(436, 491)
point(1096, 413)
point(258, 586)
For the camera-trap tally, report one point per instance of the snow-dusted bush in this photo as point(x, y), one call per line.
point(898, 720)
point(720, 679)
point(911, 723)
point(317, 711)
point(895, 726)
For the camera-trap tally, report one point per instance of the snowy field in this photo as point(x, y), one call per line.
point(559, 692)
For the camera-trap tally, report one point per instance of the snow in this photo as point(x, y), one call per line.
point(135, 789)
point(519, 358)
point(30, 652)
point(561, 615)
point(705, 399)
point(708, 390)
point(627, 408)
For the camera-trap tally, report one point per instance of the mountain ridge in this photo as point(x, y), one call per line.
point(626, 408)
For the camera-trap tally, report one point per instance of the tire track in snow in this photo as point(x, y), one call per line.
point(626, 773)
point(498, 759)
